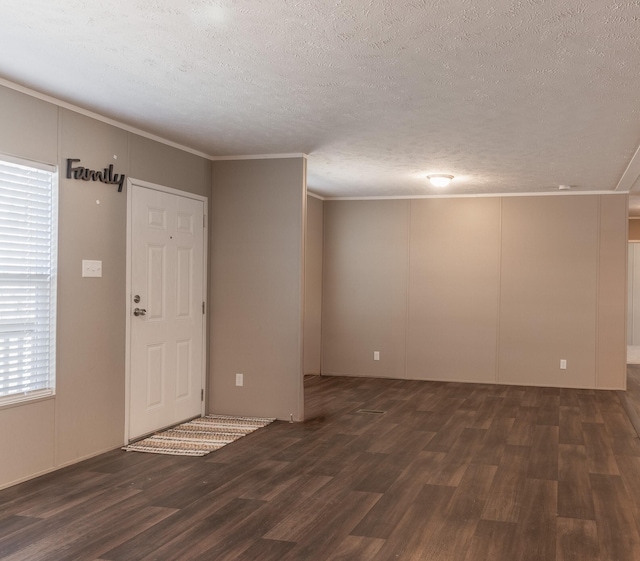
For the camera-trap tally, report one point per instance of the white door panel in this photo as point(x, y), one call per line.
point(167, 260)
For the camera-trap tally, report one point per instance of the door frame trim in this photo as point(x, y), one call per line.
point(131, 184)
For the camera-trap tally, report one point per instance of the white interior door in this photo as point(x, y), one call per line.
point(167, 323)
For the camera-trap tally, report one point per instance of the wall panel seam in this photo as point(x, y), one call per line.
point(56, 408)
point(598, 287)
point(408, 286)
point(496, 374)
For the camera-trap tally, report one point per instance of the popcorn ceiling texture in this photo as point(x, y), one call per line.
point(507, 95)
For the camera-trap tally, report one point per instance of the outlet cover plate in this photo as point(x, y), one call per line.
point(91, 268)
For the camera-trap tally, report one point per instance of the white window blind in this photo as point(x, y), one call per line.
point(28, 254)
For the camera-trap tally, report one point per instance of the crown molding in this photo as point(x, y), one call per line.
point(630, 175)
point(259, 157)
point(98, 117)
point(119, 124)
point(476, 196)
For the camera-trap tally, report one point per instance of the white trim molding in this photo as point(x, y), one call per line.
point(98, 117)
point(259, 157)
point(630, 175)
point(475, 196)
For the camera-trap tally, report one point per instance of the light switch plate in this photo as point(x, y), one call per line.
point(91, 268)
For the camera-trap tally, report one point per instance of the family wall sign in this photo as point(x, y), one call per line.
point(104, 176)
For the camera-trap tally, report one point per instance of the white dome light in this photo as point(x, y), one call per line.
point(440, 179)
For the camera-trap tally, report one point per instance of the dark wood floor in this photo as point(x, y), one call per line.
point(631, 398)
point(449, 472)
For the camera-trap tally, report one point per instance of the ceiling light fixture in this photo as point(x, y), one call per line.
point(564, 187)
point(440, 179)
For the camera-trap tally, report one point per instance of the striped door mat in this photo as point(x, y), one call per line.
point(200, 436)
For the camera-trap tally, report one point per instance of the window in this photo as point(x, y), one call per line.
point(28, 255)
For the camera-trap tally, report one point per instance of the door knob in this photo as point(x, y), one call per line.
point(139, 312)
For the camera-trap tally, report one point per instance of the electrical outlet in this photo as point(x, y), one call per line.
point(376, 355)
point(563, 364)
point(239, 379)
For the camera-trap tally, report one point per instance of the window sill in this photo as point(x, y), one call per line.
point(8, 402)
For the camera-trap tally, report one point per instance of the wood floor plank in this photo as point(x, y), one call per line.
point(492, 446)
point(570, 426)
point(238, 537)
point(543, 463)
point(451, 471)
point(470, 497)
point(383, 518)
point(101, 539)
point(466, 447)
point(629, 467)
point(447, 436)
point(549, 410)
point(536, 532)
point(608, 402)
point(296, 525)
point(523, 427)
point(14, 523)
point(356, 548)
point(492, 540)
point(69, 524)
point(617, 527)
point(203, 534)
point(505, 500)
point(421, 518)
point(589, 410)
point(486, 412)
point(622, 434)
point(55, 538)
point(270, 478)
point(599, 449)
point(577, 540)
point(54, 499)
point(452, 533)
point(568, 398)
point(630, 399)
point(404, 442)
point(183, 521)
point(510, 404)
point(266, 550)
point(575, 497)
point(329, 528)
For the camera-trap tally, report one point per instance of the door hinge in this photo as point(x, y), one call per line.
point(203, 305)
point(202, 394)
point(204, 220)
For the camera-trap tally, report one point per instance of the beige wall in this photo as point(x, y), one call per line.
point(612, 294)
point(634, 229)
point(499, 289)
point(453, 289)
point(365, 287)
point(548, 293)
point(86, 416)
point(465, 289)
point(633, 299)
point(313, 286)
point(257, 268)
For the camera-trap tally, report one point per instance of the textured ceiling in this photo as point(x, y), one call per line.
point(507, 95)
